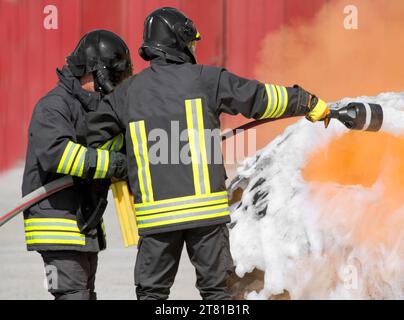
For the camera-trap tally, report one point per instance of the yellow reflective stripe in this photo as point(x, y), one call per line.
point(106, 164)
point(50, 224)
point(57, 220)
point(55, 237)
point(103, 230)
point(270, 100)
point(284, 95)
point(118, 143)
point(143, 138)
point(72, 157)
point(79, 162)
point(201, 133)
point(192, 146)
point(276, 101)
point(139, 142)
point(173, 200)
point(60, 228)
point(187, 219)
point(184, 206)
point(81, 165)
point(55, 241)
point(114, 144)
point(67, 158)
point(99, 160)
point(107, 144)
point(102, 164)
point(63, 159)
point(179, 212)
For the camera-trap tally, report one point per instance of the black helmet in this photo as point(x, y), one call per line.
point(169, 31)
point(104, 54)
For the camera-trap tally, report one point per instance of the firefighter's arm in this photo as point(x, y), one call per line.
point(257, 100)
point(55, 143)
point(108, 120)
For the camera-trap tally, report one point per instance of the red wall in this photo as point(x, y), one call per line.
point(231, 30)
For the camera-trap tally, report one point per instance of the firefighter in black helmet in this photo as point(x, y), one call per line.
point(67, 228)
point(184, 202)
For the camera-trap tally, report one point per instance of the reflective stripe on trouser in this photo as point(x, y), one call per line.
point(139, 141)
point(196, 135)
point(53, 231)
point(180, 210)
point(277, 101)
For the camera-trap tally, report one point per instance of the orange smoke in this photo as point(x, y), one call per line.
point(364, 159)
point(332, 62)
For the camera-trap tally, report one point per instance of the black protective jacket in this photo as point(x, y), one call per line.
point(177, 182)
point(56, 147)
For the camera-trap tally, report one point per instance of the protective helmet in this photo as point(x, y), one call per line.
point(104, 54)
point(169, 31)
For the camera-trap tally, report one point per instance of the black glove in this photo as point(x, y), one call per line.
point(117, 166)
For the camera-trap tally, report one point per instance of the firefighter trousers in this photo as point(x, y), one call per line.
point(71, 274)
point(159, 255)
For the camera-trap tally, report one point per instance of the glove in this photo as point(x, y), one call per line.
point(117, 166)
point(318, 109)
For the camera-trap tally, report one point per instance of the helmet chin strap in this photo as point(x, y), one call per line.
point(102, 82)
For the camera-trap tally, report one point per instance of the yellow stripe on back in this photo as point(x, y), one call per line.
point(191, 137)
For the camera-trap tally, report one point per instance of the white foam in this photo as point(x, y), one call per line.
point(300, 248)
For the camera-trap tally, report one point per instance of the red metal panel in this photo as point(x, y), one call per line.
point(209, 18)
point(101, 14)
point(232, 31)
point(248, 22)
point(12, 72)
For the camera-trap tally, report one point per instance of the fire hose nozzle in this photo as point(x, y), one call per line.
point(358, 116)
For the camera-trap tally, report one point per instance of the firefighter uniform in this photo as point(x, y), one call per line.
point(57, 147)
point(173, 200)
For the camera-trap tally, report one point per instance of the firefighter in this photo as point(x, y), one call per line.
point(66, 228)
point(186, 202)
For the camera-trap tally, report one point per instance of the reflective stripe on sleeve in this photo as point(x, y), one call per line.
point(102, 164)
point(115, 144)
point(78, 165)
point(277, 101)
point(68, 157)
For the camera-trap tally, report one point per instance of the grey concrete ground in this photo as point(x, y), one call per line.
point(22, 274)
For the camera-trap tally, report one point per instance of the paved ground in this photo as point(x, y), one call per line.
point(22, 275)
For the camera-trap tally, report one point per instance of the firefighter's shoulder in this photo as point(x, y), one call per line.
point(50, 103)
